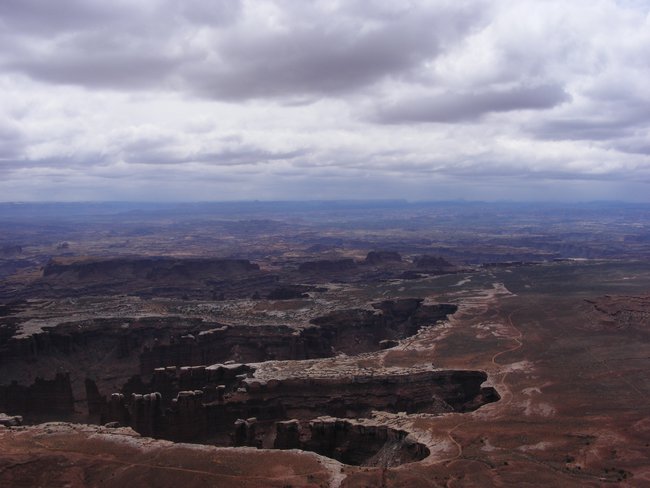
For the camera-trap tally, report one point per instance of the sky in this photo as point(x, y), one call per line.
point(163, 100)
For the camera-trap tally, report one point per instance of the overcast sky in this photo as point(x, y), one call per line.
point(295, 99)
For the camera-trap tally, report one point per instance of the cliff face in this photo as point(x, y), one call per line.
point(414, 392)
point(347, 441)
point(355, 331)
point(351, 331)
point(123, 336)
point(196, 278)
point(361, 445)
point(212, 412)
point(49, 397)
point(237, 343)
point(141, 346)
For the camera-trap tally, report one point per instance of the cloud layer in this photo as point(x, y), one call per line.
point(159, 99)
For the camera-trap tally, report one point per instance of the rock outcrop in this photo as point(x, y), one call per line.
point(10, 420)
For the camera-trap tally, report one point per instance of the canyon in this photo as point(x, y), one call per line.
point(194, 379)
point(294, 351)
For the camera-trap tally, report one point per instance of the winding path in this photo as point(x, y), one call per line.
point(502, 385)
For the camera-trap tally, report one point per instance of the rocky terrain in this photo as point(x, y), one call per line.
point(177, 368)
point(286, 351)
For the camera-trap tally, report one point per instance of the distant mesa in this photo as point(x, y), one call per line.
point(146, 269)
point(187, 278)
point(381, 257)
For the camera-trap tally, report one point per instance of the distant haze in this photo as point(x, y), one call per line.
point(165, 100)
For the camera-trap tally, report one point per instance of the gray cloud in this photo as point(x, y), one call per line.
point(155, 45)
point(117, 45)
point(612, 120)
point(42, 18)
point(45, 18)
point(640, 146)
point(61, 163)
point(11, 142)
point(165, 149)
point(322, 61)
point(287, 98)
point(244, 155)
point(316, 56)
point(580, 129)
point(459, 107)
point(103, 70)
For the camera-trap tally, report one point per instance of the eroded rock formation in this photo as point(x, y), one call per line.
point(193, 416)
point(362, 445)
point(351, 331)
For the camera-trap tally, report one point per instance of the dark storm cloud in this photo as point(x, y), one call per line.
point(154, 45)
point(321, 61)
point(97, 44)
point(326, 58)
point(44, 17)
point(48, 17)
point(460, 107)
point(103, 70)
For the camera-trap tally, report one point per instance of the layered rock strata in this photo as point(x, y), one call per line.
point(191, 416)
